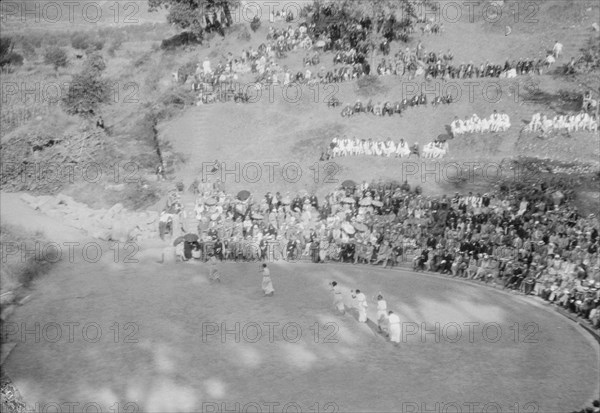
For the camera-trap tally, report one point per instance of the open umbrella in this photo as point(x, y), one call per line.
point(348, 183)
point(348, 200)
point(359, 226)
point(190, 237)
point(443, 137)
point(365, 202)
point(178, 241)
point(348, 228)
point(210, 201)
point(243, 195)
point(320, 43)
point(377, 204)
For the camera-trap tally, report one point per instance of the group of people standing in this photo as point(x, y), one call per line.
point(387, 321)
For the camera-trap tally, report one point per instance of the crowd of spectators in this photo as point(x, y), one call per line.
point(530, 241)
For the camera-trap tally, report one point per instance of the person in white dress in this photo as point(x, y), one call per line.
point(557, 49)
point(361, 305)
point(267, 284)
point(394, 326)
point(338, 299)
point(381, 311)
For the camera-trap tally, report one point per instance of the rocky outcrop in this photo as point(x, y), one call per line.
point(114, 224)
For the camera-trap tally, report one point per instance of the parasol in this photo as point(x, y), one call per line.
point(360, 226)
point(348, 228)
point(210, 202)
point(178, 241)
point(443, 137)
point(320, 43)
point(243, 195)
point(365, 202)
point(190, 237)
point(348, 183)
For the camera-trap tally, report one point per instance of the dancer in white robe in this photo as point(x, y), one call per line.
point(338, 299)
point(394, 323)
point(361, 306)
point(381, 311)
point(267, 284)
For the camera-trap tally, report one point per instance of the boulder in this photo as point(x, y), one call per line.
point(45, 202)
point(7, 298)
point(115, 209)
point(100, 233)
point(121, 230)
point(115, 187)
point(64, 199)
point(28, 199)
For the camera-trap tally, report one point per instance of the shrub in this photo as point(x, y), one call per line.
point(88, 89)
point(115, 44)
point(28, 49)
point(369, 85)
point(142, 60)
point(181, 39)
point(178, 98)
point(255, 23)
point(56, 57)
point(85, 41)
point(7, 55)
point(244, 34)
point(94, 64)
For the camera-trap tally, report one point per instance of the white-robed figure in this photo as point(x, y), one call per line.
point(267, 284)
point(361, 305)
point(338, 298)
point(381, 311)
point(394, 323)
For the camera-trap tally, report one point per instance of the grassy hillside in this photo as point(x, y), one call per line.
point(276, 130)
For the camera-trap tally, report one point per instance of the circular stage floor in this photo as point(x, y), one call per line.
point(157, 338)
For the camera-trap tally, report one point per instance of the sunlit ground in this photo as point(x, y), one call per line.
point(291, 351)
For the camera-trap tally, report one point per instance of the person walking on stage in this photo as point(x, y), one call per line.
point(381, 312)
point(362, 305)
point(267, 284)
point(394, 323)
point(338, 299)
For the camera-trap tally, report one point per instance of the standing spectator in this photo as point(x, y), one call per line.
point(214, 272)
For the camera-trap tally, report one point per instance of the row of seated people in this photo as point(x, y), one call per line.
point(570, 123)
point(497, 122)
point(388, 108)
point(355, 147)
